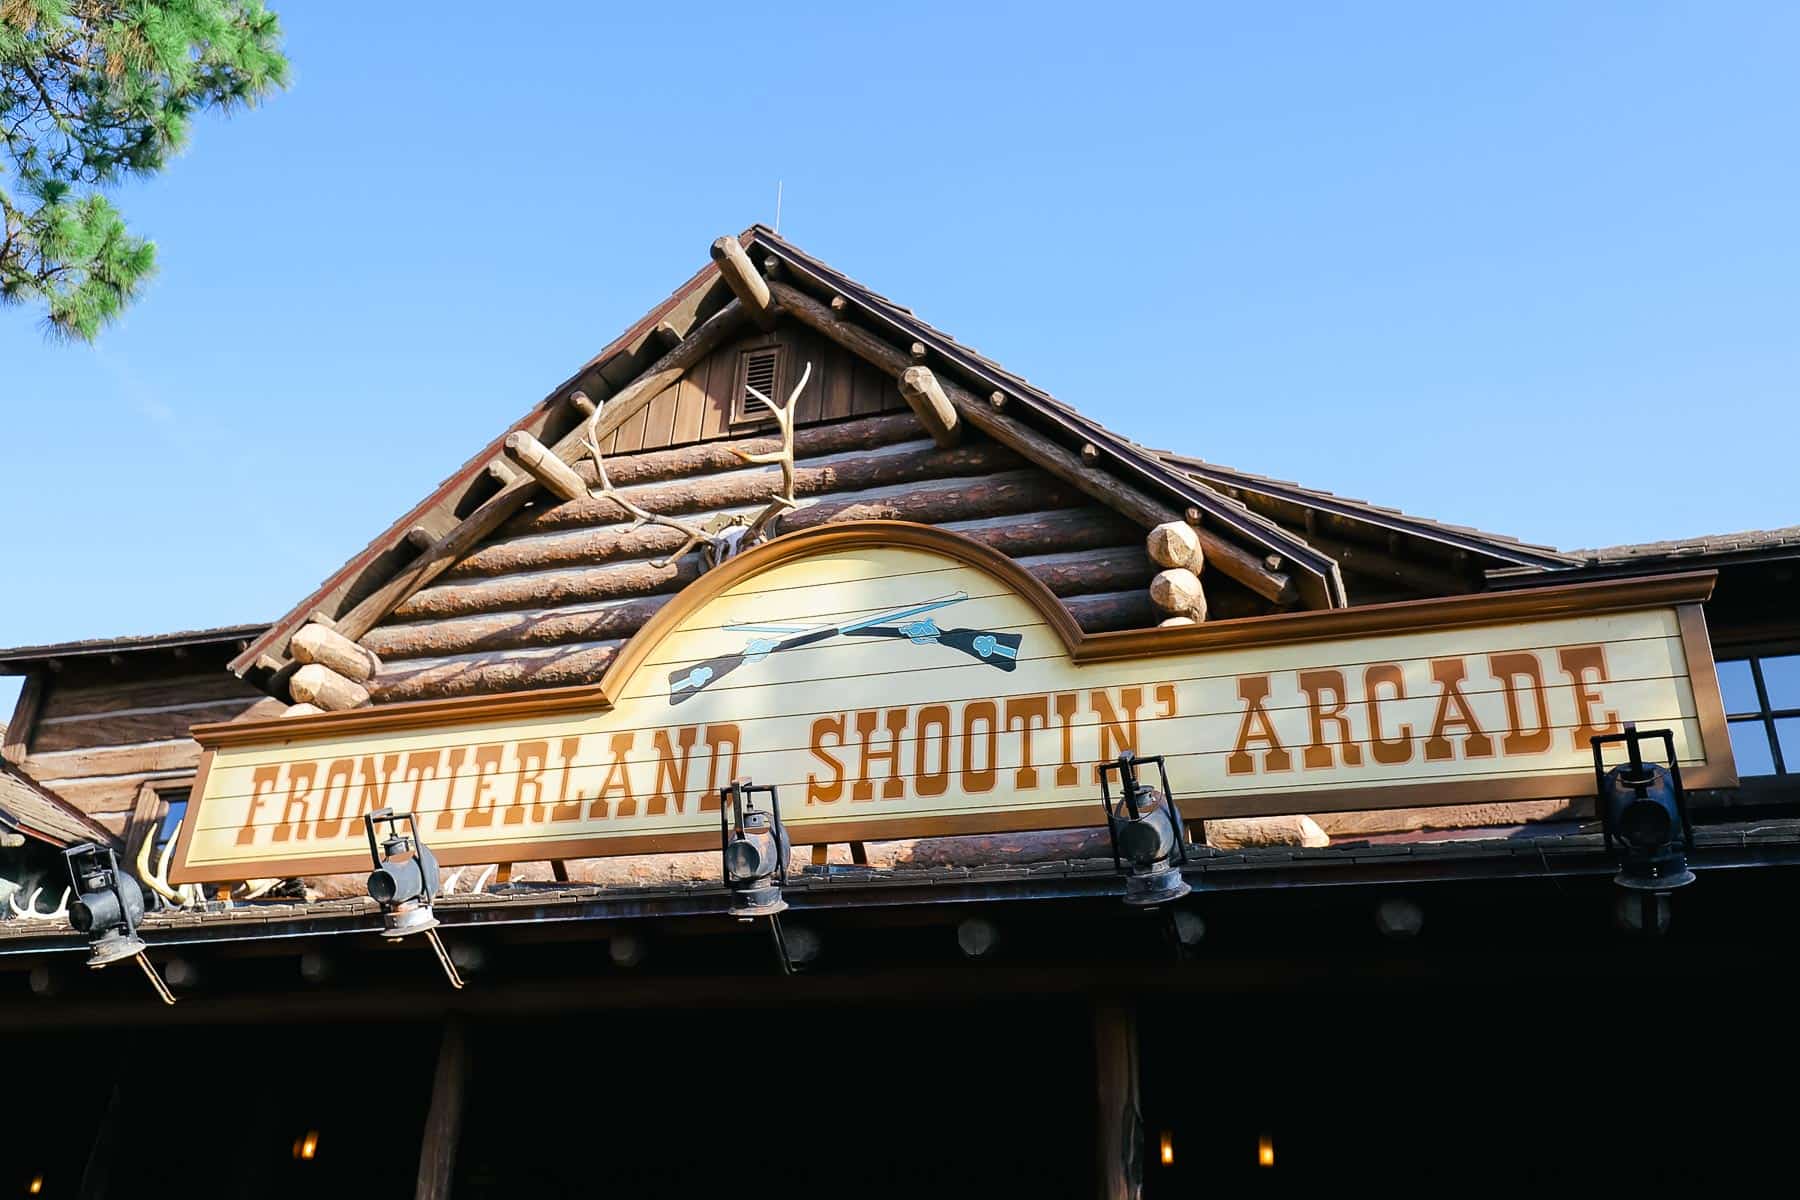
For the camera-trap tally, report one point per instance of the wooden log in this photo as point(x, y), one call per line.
point(419, 538)
point(487, 674)
point(111, 799)
point(751, 289)
point(95, 699)
point(1121, 1123)
point(1171, 622)
point(301, 710)
point(550, 589)
point(1242, 565)
point(502, 474)
point(1112, 610)
point(1174, 544)
point(443, 1119)
point(1249, 833)
point(1178, 591)
point(578, 400)
point(753, 488)
point(327, 648)
point(668, 369)
point(320, 685)
point(1045, 532)
point(928, 402)
point(112, 760)
point(557, 476)
point(937, 503)
point(1110, 569)
point(1430, 578)
point(513, 630)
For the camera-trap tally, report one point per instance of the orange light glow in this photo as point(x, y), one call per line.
point(1168, 1149)
point(306, 1145)
point(1265, 1151)
point(37, 1185)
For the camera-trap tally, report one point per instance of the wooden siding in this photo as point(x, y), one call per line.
point(103, 729)
point(699, 407)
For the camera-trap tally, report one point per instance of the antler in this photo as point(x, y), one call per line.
point(783, 500)
point(643, 516)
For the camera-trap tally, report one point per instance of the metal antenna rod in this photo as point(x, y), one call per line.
point(778, 206)
point(781, 950)
point(443, 956)
point(156, 981)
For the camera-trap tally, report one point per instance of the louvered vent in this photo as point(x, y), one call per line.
point(759, 369)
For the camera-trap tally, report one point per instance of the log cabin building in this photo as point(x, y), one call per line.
point(1402, 943)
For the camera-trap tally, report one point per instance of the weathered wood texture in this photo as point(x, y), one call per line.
point(1091, 478)
point(174, 755)
point(930, 405)
point(327, 648)
point(1120, 1134)
point(443, 1119)
point(697, 407)
point(16, 742)
point(741, 276)
point(320, 685)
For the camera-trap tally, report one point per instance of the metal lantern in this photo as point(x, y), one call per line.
point(107, 907)
point(753, 846)
point(1643, 811)
point(405, 881)
point(1149, 841)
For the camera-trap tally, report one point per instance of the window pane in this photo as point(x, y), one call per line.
point(1787, 732)
point(1782, 677)
point(1750, 746)
point(178, 810)
point(1739, 688)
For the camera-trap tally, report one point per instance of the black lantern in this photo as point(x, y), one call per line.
point(404, 882)
point(754, 847)
point(1148, 839)
point(753, 851)
point(1643, 811)
point(107, 907)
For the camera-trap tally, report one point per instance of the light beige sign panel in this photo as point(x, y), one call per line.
point(894, 691)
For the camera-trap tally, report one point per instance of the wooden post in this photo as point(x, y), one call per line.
point(933, 408)
point(544, 466)
point(1121, 1133)
point(751, 289)
point(443, 1122)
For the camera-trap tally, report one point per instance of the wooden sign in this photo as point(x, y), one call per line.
point(896, 680)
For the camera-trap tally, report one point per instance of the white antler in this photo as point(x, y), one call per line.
point(643, 516)
point(30, 912)
point(783, 500)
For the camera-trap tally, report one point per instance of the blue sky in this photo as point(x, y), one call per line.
point(1526, 267)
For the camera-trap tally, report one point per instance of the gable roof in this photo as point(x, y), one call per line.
point(18, 659)
point(38, 813)
point(475, 500)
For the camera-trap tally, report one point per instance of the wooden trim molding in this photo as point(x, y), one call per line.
point(1487, 608)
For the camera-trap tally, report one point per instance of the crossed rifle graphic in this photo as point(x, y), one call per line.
point(996, 649)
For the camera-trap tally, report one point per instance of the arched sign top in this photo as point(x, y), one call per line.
point(879, 543)
point(895, 680)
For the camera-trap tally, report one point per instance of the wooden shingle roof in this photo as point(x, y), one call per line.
point(39, 813)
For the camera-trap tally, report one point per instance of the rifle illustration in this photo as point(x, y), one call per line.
point(996, 649)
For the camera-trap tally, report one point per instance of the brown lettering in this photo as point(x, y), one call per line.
point(1398, 749)
point(339, 772)
point(1022, 710)
point(829, 792)
point(374, 788)
point(926, 782)
point(421, 767)
point(1318, 752)
point(1509, 669)
point(1577, 661)
point(262, 785)
point(447, 818)
point(1453, 711)
point(1253, 690)
point(487, 765)
point(1067, 773)
point(895, 785)
point(1116, 736)
point(618, 779)
point(300, 781)
point(566, 809)
point(717, 736)
point(672, 772)
point(987, 713)
point(533, 758)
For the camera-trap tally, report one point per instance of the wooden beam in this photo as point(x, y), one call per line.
point(320, 685)
point(484, 520)
point(24, 719)
point(740, 275)
point(934, 410)
point(1121, 1129)
point(557, 476)
point(443, 1120)
point(1233, 560)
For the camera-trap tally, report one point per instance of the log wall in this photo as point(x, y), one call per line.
point(551, 596)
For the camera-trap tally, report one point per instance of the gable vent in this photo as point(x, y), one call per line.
point(759, 369)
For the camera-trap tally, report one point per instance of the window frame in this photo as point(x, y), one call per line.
point(1765, 715)
point(746, 413)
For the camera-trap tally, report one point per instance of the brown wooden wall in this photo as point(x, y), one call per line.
point(94, 731)
point(699, 407)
